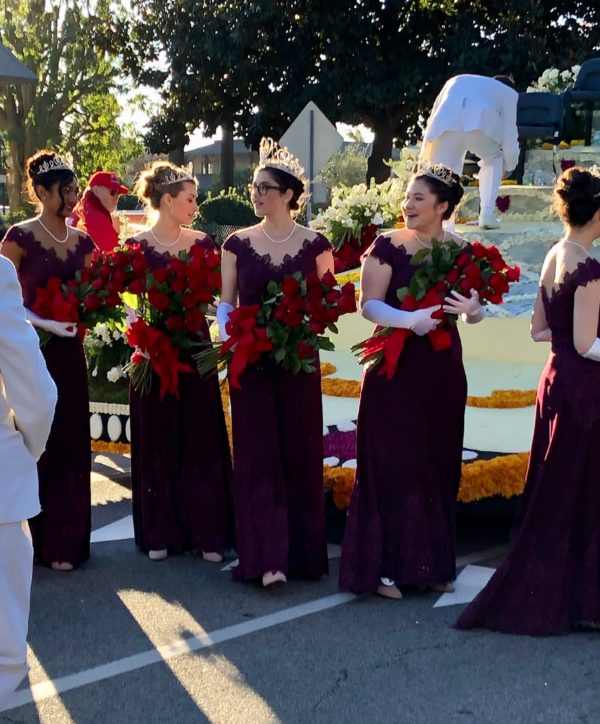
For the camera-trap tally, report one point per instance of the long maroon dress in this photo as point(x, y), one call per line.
point(277, 442)
point(180, 461)
point(550, 577)
point(409, 446)
point(61, 532)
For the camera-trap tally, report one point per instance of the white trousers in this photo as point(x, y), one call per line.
point(16, 564)
point(450, 149)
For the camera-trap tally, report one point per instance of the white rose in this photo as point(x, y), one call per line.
point(377, 219)
point(566, 75)
point(114, 374)
point(553, 73)
point(575, 69)
point(545, 74)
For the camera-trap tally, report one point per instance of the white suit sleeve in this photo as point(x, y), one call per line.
point(510, 135)
point(28, 387)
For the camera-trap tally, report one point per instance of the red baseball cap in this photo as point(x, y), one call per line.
point(109, 180)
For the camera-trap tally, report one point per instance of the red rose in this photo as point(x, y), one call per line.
point(178, 285)
point(161, 275)
point(328, 279)
point(305, 350)
point(513, 273)
point(479, 250)
point(158, 299)
point(175, 321)
point(139, 265)
point(452, 276)
point(290, 286)
point(465, 284)
point(98, 283)
point(137, 286)
point(463, 259)
point(472, 270)
point(497, 264)
point(92, 301)
point(120, 259)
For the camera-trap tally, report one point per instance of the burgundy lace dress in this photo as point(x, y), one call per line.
point(61, 532)
point(550, 577)
point(180, 461)
point(277, 442)
point(409, 447)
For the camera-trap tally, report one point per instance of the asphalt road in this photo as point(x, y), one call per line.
point(126, 640)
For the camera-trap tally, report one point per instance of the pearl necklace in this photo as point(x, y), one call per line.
point(575, 243)
point(423, 244)
point(166, 243)
point(47, 230)
point(279, 241)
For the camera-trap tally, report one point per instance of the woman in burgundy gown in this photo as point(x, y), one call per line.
point(400, 528)
point(41, 248)
point(549, 580)
point(277, 416)
point(180, 460)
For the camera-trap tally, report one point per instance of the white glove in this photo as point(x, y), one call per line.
point(544, 336)
point(420, 321)
point(594, 351)
point(60, 329)
point(469, 308)
point(223, 311)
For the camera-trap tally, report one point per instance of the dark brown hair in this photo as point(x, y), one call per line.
point(286, 181)
point(577, 196)
point(449, 193)
point(35, 177)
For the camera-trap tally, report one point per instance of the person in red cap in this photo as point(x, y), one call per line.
point(95, 212)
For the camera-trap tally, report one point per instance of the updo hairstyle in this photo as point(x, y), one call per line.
point(286, 181)
point(577, 196)
point(155, 181)
point(37, 177)
point(451, 193)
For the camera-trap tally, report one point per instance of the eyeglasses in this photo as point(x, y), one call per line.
point(262, 189)
point(114, 192)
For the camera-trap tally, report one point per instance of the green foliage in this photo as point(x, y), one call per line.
point(64, 42)
point(347, 167)
point(228, 208)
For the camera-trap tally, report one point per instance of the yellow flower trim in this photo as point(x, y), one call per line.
point(504, 399)
point(499, 399)
point(117, 448)
point(352, 275)
point(327, 369)
point(340, 388)
point(341, 481)
point(509, 182)
point(504, 475)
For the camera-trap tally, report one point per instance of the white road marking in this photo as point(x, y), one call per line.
point(179, 647)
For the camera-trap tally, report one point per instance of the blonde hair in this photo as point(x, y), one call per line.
point(154, 182)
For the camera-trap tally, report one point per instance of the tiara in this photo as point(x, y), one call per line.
point(57, 163)
point(178, 176)
point(272, 155)
point(437, 171)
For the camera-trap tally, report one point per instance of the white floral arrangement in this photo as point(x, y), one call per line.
point(554, 80)
point(107, 352)
point(354, 207)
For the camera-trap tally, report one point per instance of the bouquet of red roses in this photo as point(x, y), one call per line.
point(447, 267)
point(171, 310)
point(288, 326)
point(93, 296)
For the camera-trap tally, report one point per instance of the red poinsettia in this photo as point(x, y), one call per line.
point(450, 267)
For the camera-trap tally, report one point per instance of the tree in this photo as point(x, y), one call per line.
point(61, 42)
point(223, 61)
